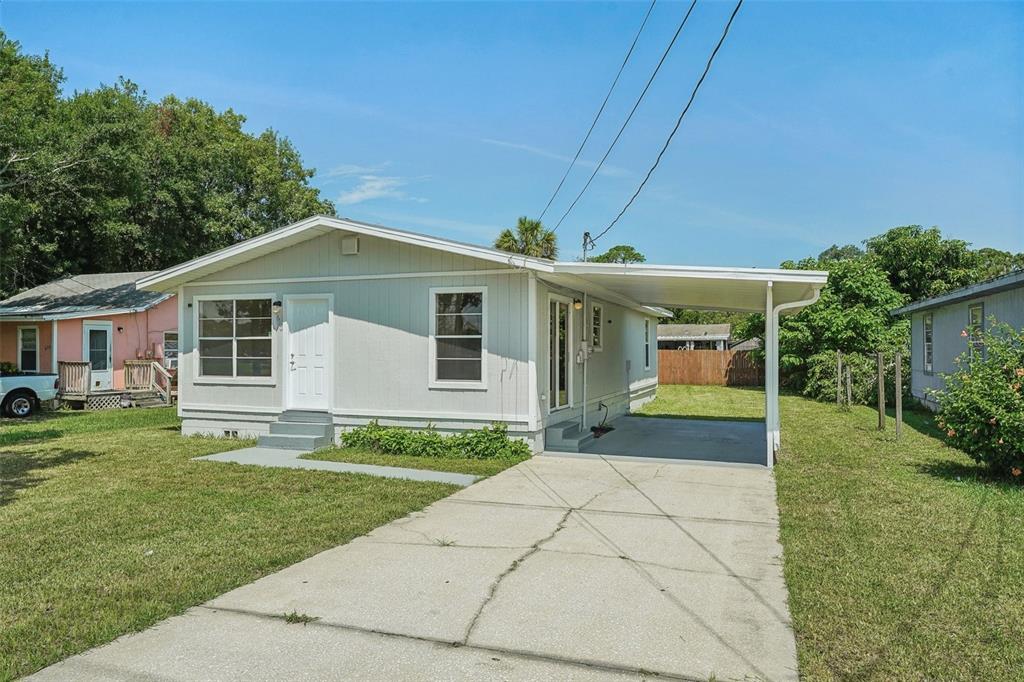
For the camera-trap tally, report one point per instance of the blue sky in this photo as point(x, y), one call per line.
point(819, 123)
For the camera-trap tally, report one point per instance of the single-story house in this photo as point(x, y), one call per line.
point(694, 336)
point(944, 327)
point(103, 319)
point(354, 322)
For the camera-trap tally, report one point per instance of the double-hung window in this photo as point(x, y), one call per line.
point(976, 328)
point(235, 337)
point(596, 330)
point(458, 331)
point(28, 349)
point(927, 342)
point(647, 343)
point(171, 350)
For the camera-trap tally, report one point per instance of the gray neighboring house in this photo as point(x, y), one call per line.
point(694, 336)
point(940, 327)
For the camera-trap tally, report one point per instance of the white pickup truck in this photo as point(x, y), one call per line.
point(20, 394)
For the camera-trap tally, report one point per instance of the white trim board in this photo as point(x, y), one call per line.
point(356, 278)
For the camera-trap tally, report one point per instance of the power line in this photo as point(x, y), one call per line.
point(593, 124)
point(679, 121)
point(630, 117)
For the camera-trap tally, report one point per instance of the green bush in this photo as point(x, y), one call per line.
point(981, 409)
point(820, 383)
point(490, 442)
point(8, 369)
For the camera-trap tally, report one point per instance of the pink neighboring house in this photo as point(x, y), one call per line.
point(100, 318)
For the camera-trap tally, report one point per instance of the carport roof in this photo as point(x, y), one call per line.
point(638, 285)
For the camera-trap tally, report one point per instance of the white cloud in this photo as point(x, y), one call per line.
point(606, 169)
point(373, 187)
point(348, 169)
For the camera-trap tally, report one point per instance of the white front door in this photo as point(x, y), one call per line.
point(97, 339)
point(309, 350)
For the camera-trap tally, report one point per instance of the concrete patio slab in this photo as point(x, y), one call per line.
point(558, 568)
point(292, 459)
point(708, 440)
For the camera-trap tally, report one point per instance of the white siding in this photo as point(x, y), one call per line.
point(381, 336)
point(615, 375)
point(381, 343)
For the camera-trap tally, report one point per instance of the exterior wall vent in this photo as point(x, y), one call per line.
point(349, 246)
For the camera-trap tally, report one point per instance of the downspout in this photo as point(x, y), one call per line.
point(776, 425)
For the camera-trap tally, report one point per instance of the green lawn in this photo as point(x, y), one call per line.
point(903, 561)
point(706, 402)
point(107, 527)
point(478, 467)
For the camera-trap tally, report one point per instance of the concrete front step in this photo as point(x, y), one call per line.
point(566, 437)
point(300, 429)
point(306, 417)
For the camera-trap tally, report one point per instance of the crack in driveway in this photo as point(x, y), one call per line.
point(534, 548)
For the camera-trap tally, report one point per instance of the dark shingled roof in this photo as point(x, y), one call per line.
point(71, 296)
point(694, 331)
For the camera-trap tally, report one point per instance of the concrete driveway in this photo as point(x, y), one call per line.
point(559, 568)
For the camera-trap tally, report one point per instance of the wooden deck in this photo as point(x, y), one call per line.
point(147, 384)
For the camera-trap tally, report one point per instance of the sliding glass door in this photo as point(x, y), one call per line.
point(560, 353)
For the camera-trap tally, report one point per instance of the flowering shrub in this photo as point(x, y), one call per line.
point(490, 442)
point(981, 410)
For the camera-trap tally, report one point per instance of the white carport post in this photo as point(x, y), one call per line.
point(772, 422)
point(771, 375)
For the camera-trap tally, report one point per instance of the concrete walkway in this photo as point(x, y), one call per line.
point(558, 568)
point(292, 459)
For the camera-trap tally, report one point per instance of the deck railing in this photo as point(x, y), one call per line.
point(147, 375)
point(138, 375)
point(74, 377)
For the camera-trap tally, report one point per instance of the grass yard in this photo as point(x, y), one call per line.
point(706, 402)
point(903, 561)
point(477, 467)
point(106, 527)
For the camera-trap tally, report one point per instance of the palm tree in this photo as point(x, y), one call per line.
point(529, 238)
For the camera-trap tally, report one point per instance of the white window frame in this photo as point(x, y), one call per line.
point(975, 336)
point(39, 354)
point(928, 341)
point(647, 343)
point(452, 384)
point(597, 343)
point(233, 380)
point(177, 351)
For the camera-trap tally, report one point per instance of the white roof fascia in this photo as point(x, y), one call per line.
point(180, 274)
point(699, 272)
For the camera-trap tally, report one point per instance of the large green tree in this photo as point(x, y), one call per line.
point(852, 315)
point(529, 238)
point(109, 180)
point(921, 263)
point(620, 253)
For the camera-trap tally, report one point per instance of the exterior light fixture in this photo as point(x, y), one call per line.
point(577, 304)
point(276, 307)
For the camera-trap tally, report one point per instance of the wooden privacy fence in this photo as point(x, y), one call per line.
point(709, 368)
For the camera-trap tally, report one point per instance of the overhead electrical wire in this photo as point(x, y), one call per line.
point(600, 110)
point(632, 111)
point(675, 128)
